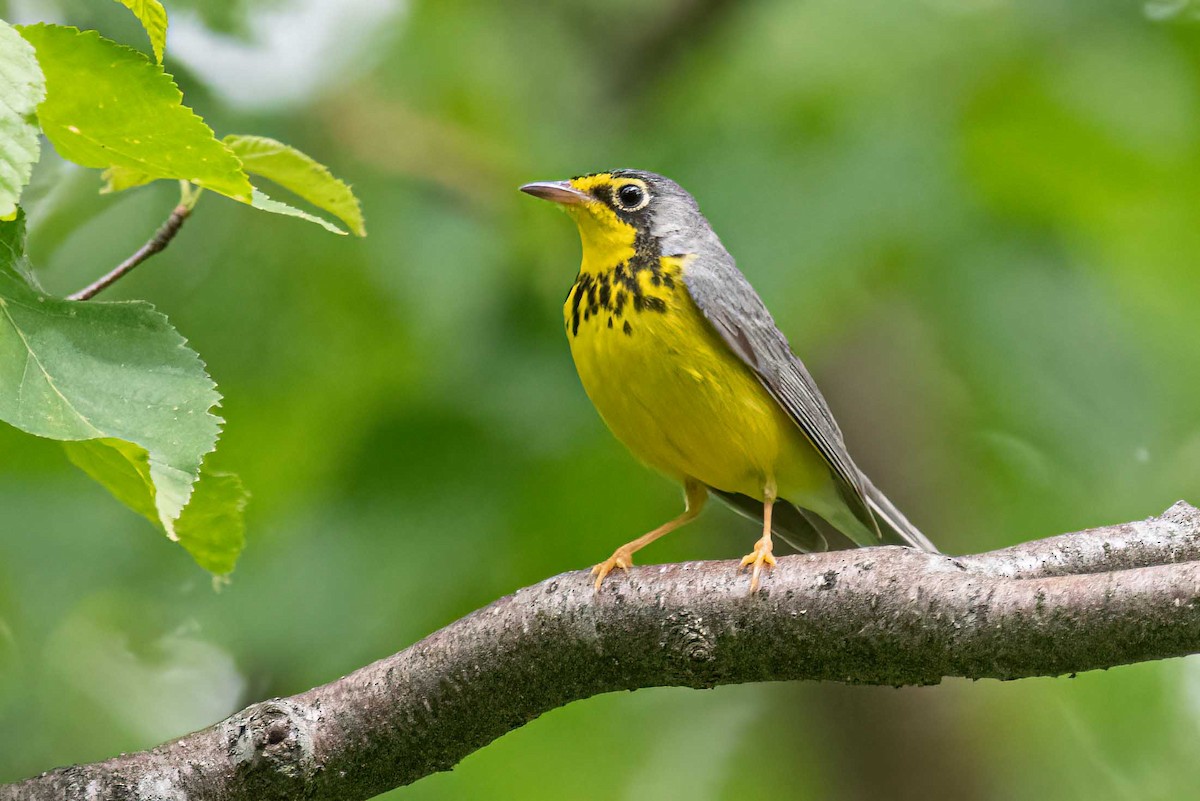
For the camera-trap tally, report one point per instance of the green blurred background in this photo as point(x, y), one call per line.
point(977, 220)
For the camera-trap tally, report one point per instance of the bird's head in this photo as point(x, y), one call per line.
point(621, 210)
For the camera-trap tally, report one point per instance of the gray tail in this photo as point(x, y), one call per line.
point(893, 526)
point(807, 532)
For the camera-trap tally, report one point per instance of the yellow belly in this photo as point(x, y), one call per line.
point(671, 390)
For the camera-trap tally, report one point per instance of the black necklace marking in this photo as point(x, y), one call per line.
point(611, 290)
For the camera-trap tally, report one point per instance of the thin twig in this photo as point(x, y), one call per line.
point(876, 615)
point(162, 237)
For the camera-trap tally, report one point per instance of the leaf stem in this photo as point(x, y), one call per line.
point(188, 195)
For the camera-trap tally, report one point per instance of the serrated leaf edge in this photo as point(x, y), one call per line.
point(155, 44)
point(356, 225)
point(162, 71)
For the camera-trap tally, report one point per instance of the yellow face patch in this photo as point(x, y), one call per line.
point(589, 183)
point(607, 239)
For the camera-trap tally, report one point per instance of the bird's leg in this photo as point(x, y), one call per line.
point(696, 494)
point(761, 555)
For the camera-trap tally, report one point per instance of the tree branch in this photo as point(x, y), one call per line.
point(1173, 536)
point(162, 237)
point(1095, 599)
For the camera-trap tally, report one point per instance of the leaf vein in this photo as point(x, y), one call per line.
point(29, 354)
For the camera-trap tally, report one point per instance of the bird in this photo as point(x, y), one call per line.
point(688, 369)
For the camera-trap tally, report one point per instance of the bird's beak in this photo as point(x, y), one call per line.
point(557, 192)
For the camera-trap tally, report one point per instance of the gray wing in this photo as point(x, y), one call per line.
point(737, 313)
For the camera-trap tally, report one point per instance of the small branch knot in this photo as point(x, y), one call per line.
point(274, 734)
point(691, 650)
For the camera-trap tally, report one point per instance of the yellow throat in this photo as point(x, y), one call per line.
point(622, 273)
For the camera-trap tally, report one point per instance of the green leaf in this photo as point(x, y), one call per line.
point(109, 106)
point(261, 201)
point(77, 371)
point(153, 17)
point(212, 527)
point(21, 89)
point(299, 173)
point(122, 468)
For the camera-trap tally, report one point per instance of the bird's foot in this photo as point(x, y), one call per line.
point(622, 558)
point(761, 555)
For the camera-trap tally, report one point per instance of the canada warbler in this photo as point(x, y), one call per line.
point(686, 366)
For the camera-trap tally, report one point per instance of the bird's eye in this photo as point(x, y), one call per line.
point(631, 197)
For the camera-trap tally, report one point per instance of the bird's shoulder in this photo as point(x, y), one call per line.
point(725, 296)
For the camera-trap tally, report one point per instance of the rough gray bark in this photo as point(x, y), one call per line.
point(1094, 599)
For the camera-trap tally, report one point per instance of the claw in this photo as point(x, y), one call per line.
point(761, 555)
point(621, 558)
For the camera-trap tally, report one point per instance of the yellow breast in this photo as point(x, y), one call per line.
point(671, 390)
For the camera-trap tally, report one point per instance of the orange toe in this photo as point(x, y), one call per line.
point(621, 558)
point(761, 556)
